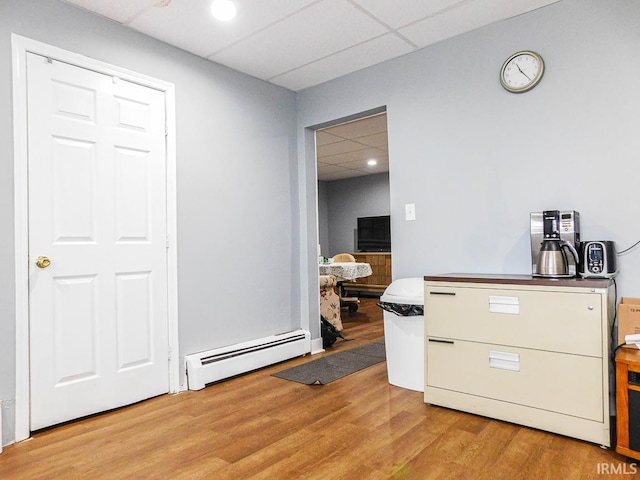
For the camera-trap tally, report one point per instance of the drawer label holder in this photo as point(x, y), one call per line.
point(499, 304)
point(504, 360)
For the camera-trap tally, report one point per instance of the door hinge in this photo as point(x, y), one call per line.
point(166, 130)
point(168, 243)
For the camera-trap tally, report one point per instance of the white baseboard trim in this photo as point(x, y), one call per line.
point(316, 346)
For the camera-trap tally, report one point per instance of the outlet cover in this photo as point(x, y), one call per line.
point(410, 211)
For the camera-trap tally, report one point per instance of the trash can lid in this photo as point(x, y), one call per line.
point(405, 290)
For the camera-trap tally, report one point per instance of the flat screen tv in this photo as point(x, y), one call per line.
point(374, 234)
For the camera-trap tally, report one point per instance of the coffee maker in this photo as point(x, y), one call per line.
point(553, 234)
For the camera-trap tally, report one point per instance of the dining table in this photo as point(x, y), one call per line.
point(346, 271)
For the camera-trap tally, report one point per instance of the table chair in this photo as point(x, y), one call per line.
point(346, 302)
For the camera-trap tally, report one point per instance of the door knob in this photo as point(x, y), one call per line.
point(42, 262)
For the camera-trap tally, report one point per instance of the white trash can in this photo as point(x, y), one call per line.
point(403, 304)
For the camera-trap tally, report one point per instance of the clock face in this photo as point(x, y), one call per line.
point(522, 71)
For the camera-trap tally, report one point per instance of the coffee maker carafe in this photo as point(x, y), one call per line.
point(552, 259)
point(553, 233)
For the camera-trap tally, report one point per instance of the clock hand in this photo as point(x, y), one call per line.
point(518, 67)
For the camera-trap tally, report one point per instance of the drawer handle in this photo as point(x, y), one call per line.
point(590, 307)
point(442, 293)
point(437, 340)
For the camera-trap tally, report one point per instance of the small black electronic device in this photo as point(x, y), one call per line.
point(598, 259)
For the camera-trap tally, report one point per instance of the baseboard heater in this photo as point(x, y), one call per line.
point(225, 362)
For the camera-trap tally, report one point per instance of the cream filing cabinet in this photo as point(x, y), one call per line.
point(525, 350)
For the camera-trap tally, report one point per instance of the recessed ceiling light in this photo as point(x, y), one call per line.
point(223, 10)
point(372, 162)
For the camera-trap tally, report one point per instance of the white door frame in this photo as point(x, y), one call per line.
point(20, 47)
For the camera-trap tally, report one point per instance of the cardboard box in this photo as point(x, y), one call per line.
point(628, 319)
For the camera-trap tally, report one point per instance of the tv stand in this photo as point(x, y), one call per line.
point(380, 279)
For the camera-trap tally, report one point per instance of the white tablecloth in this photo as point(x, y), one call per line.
point(345, 271)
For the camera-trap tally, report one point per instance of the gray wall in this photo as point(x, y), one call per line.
point(237, 184)
point(349, 199)
point(323, 218)
point(477, 160)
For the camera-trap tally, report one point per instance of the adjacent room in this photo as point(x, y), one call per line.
point(354, 224)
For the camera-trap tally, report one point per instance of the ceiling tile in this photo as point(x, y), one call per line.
point(335, 159)
point(361, 128)
point(325, 138)
point(436, 29)
point(322, 29)
point(362, 165)
point(377, 140)
point(360, 56)
point(118, 10)
point(324, 168)
point(355, 155)
point(369, 153)
point(338, 148)
point(190, 26)
point(398, 14)
point(340, 175)
point(465, 17)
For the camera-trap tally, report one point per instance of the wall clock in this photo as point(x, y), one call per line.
point(522, 71)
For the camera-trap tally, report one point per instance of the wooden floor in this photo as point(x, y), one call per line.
point(261, 427)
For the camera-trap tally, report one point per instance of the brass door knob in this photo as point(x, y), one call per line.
point(42, 262)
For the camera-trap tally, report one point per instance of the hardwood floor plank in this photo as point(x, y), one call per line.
point(257, 426)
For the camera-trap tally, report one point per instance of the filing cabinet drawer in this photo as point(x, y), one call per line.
point(556, 321)
point(561, 383)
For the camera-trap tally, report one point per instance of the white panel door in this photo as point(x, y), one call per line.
point(97, 211)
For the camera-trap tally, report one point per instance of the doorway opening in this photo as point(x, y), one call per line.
point(353, 185)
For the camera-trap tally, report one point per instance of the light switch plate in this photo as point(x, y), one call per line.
point(410, 211)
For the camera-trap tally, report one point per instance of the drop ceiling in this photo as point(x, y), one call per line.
point(344, 150)
point(301, 43)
